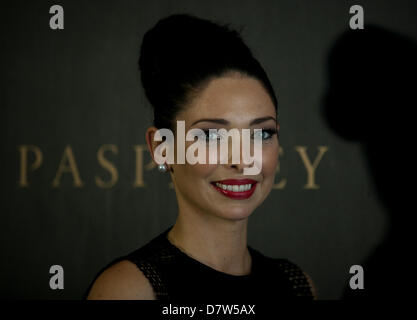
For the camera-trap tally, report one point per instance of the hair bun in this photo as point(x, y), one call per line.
point(181, 42)
point(182, 51)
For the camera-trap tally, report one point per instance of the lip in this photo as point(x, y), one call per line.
point(236, 181)
point(233, 194)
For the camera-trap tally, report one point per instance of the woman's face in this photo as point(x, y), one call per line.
point(236, 101)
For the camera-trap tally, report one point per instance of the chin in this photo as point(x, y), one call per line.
point(236, 212)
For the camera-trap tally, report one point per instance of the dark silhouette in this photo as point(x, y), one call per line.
point(370, 99)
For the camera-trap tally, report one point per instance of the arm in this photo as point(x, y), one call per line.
point(312, 285)
point(122, 281)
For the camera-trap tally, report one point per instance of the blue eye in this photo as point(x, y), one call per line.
point(265, 134)
point(210, 136)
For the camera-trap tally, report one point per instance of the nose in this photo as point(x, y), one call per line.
point(237, 144)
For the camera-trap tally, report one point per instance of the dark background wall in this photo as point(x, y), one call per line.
point(76, 91)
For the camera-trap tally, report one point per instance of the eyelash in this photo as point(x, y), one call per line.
point(271, 133)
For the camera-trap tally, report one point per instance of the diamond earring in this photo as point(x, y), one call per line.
point(162, 168)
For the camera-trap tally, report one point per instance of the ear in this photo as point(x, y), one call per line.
point(152, 144)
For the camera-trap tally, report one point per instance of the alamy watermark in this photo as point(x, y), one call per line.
point(200, 146)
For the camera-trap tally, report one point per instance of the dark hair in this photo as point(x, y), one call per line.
point(182, 53)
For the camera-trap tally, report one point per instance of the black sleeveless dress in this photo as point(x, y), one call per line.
point(175, 276)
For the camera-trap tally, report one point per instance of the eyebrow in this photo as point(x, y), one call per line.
point(225, 122)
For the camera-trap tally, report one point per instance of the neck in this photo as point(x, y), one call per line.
point(216, 242)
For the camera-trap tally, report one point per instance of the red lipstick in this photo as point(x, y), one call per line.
point(235, 188)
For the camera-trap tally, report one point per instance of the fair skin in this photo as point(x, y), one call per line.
point(210, 227)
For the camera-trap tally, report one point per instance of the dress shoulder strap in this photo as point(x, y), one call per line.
point(297, 279)
point(151, 259)
point(285, 274)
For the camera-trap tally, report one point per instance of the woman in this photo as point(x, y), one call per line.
point(202, 73)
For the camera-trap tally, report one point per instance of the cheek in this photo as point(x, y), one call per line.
point(195, 173)
point(190, 173)
point(270, 162)
point(201, 170)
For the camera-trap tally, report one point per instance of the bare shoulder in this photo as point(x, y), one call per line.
point(121, 281)
point(313, 287)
